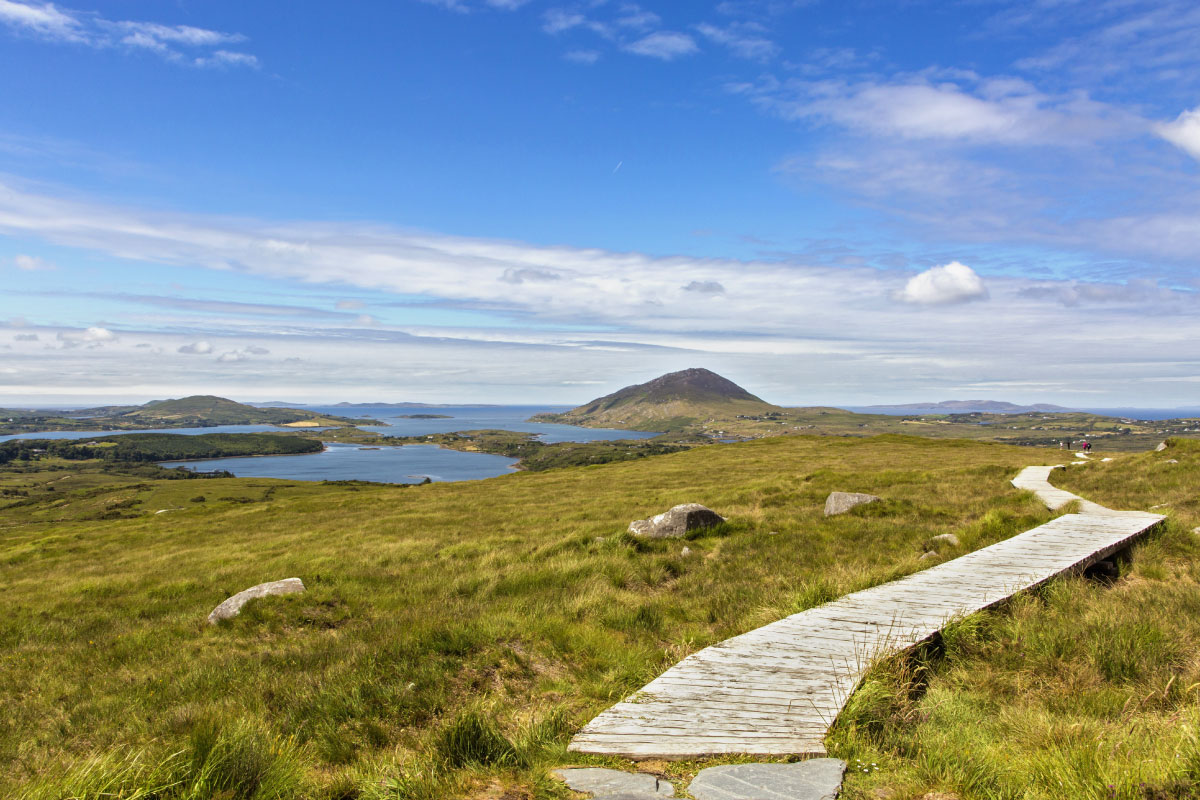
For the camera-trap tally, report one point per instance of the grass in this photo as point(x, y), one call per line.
point(453, 635)
point(1081, 690)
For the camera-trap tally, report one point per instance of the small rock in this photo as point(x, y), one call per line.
point(1106, 459)
point(1171, 461)
point(773, 533)
point(676, 522)
point(816, 779)
point(948, 539)
point(841, 502)
point(1161, 446)
point(610, 784)
point(233, 605)
point(685, 552)
point(1196, 531)
point(598, 539)
point(927, 556)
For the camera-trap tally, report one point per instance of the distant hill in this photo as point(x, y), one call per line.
point(197, 411)
point(671, 402)
point(963, 407)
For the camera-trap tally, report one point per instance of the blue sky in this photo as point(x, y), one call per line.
point(529, 201)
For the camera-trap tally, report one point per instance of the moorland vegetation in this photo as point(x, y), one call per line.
point(455, 635)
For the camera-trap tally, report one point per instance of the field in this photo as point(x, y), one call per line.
point(455, 635)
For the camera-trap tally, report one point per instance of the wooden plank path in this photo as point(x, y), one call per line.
point(778, 689)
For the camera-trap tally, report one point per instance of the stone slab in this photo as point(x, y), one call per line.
point(816, 779)
point(613, 784)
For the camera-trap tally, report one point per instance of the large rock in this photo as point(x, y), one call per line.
point(676, 522)
point(233, 605)
point(1161, 446)
point(816, 779)
point(613, 784)
point(948, 539)
point(841, 502)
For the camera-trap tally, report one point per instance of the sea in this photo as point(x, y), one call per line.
point(408, 464)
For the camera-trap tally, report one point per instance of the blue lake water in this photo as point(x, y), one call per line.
point(409, 464)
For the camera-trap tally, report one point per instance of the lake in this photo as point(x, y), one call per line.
point(409, 464)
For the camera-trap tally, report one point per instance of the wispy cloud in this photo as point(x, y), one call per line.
point(664, 45)
point(992, 110)
point(746, 40)
point(183, 44)
point(32, 264)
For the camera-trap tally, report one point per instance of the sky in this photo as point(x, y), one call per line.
point(536, 201)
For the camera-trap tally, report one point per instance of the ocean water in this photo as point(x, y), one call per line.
point(409, 464)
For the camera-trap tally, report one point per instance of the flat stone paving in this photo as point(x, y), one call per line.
point(778, 689)
point(818, 779)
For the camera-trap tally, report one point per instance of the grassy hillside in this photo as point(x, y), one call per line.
point(197, 411)
point(453, 635)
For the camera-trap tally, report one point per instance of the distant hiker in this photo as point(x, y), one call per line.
point(1087, 447)
point(1062, 445)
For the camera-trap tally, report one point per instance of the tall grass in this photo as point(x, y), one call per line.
point(1080, 690)
point(441, 621)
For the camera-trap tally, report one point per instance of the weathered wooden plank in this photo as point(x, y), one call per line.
point(777, 689)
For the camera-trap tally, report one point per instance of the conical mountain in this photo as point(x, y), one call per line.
point(671, 402)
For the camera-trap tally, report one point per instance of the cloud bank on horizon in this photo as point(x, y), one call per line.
point(990, 218)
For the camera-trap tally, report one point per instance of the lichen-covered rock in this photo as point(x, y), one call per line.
point(841, 502)
point(676, 522)
point(233, 605)
point(948, 539)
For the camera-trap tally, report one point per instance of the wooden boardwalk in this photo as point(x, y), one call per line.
point(778, 689)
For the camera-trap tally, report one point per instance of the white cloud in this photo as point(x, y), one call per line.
point(995, 111)
point(637, 18)
point(91, 337)
point(582, 56)
point(743, 40)
point(42, 19)
point(349, 305)
point(242, 354)
point(32, 263)
point(1184, 132)
point(556, 20)
point(171, 42)
point(25, 337)
point(225, 58)
point(944, 285)
point(664, 45)
point(196, 348)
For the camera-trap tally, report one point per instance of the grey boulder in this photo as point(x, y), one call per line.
point(841, 502)
point(948, 539)
point(816, 779)
point(233, 605)
point(613, 784)
point(1161, 446)
point(676, 522)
